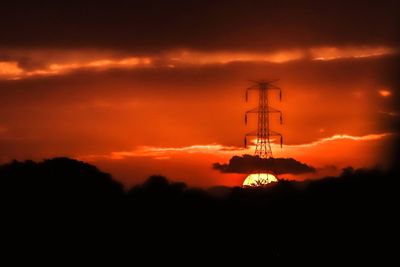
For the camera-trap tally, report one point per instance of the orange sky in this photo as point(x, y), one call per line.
point(175, 105)
point(114, 114)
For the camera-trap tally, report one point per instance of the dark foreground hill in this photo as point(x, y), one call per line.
point(71, 207)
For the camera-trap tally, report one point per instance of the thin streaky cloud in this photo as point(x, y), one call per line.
point(13, 70)
point(166, 152)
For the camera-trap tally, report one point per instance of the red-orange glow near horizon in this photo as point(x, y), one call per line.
point(146, 117)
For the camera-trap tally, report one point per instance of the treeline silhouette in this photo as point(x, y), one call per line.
point(352, 215)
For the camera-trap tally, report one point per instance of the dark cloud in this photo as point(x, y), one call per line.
point(249, 164)
point(142, 26)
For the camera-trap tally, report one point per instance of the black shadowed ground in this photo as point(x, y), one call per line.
point(64, 200)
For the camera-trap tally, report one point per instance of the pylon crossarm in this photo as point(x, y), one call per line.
point(273, 110)
point(257, 110)
point(247, 91)
point(254, 110)
point(253, 133)
point(272, 133)
point(273, 87)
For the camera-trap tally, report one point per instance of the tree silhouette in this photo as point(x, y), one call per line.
point(326, 217)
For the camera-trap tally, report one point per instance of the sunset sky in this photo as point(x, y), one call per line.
point(157, 87)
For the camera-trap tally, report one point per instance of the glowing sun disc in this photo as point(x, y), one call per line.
point(259, 179)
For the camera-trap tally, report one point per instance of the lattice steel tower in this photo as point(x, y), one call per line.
point(264, 133)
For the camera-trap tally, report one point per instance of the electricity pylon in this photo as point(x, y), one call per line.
point(264, 132)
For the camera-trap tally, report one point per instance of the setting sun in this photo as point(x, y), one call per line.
point(259, 179)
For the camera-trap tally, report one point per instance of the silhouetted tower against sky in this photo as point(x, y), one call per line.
point(264, 133)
